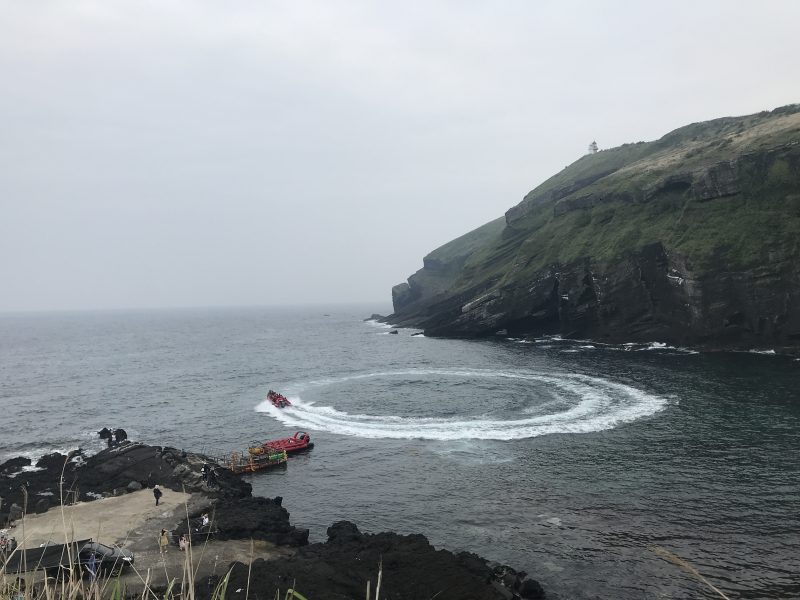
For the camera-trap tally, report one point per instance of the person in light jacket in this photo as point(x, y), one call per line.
point(163, 542)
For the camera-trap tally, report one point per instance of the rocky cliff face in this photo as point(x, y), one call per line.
point(693, 239)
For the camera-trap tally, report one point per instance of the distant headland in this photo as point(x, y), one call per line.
point(691, 240)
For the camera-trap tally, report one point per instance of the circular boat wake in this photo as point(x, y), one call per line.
point(574, 404)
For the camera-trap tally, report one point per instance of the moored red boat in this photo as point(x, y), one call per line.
point(277, 399)
point(299, 441)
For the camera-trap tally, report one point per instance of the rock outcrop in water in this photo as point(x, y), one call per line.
point(693, 239)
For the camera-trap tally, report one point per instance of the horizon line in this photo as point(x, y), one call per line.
point(18, 311)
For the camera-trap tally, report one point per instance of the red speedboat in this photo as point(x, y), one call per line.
point(299, 441)
point(278, 400)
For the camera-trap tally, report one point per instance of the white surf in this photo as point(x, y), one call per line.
point(596, 404)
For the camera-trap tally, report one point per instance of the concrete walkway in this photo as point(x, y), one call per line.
point(133, 521)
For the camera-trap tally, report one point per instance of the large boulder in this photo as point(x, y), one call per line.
point(15, 512)
point(248, 518)
point(14, 465)
point(41, 506)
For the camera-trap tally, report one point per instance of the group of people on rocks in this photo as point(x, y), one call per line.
point(114, 437)
point(163, 542)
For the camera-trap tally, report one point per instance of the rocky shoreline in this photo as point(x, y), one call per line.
point(418, 328)
point(337, 569)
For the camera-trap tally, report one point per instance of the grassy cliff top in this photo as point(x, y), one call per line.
point(615, 201)
point(690, 147)
point(463, 246)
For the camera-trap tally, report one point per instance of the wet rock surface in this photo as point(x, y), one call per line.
point(116, 470)
point(14, 465)
point(253, 518)
point(340, 568)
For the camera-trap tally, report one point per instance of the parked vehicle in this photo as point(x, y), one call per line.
point(83, 554)
point(109, 559)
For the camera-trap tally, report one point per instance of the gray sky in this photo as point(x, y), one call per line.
point(177, 153)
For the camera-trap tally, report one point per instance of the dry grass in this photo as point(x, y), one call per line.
point(678, 561)
point(70, 584)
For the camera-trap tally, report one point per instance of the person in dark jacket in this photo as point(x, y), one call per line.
point(157, 494)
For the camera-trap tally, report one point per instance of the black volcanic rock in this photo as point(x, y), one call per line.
point(53, 462)
point(411, 569)
point(342, 533)
point(244, 519)
point(14, 465)
point(42, 506)
point(43, 480)
point(112, 471)
point(117, 467)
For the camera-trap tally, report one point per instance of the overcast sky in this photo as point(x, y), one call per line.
point(190, 153)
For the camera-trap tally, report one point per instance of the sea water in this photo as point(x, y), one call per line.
point(586, 465)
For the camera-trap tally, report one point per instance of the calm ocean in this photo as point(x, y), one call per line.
point(574, 461)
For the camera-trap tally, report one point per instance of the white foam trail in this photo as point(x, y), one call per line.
point(657, 346)
point(378, 324)
point(597, 404)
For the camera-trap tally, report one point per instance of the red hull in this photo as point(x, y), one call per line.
point(278, 400)
point(299, 441)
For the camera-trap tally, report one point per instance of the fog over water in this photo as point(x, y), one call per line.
point(205, 153)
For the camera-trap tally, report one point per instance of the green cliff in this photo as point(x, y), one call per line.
point(690, 239)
